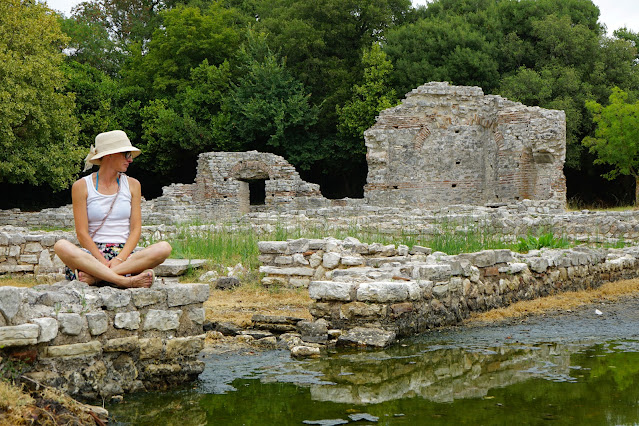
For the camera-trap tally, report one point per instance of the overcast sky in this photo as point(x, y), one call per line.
point(614, 13)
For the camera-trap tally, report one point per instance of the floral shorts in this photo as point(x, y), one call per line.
point(108, 250)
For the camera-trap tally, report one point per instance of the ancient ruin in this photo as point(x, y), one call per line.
point(230, 184)
point(454, 145)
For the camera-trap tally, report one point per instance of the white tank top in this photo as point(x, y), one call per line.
point(116, 227)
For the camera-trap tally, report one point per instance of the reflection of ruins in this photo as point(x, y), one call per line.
point(438, 374)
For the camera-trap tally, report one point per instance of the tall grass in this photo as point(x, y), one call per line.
point(229, 246)
point(221, 247)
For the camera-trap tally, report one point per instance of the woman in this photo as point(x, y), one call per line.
point(108, 220)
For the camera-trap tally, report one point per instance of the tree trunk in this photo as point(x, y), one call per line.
point(636, 191)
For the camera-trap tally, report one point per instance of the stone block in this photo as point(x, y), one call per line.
point(313, 331)
point(74, 350)
point(145, 296)
point(538, 264)
point(299, 282)
point(113, 298)
point(98, 323)
point(436, 272)
point(419, 249)
point(10, 301)
point(300, 245)
point(71, 324)
point(197, 315)
point(483, 258)
point(440, 290)
point(299, 259)
point(360, 336)
point(48, 328)
point(162, 369)
point(283, 260)
point(503, 256)
point(361, 310)
point(329, 290)
point(32, 247)
point(352, 260)
point(151, 348)
point(127, 320)
point(124, 344)
point(299, 271)
point(183, 347)
point(383, 292)
point(162, 320)
point(19, 335)
point(31, 259)
point(315, 259)
point(272, 247)
point(331, 260)
point(16, 269)
point(186, 294)
point(274, 281)
point(177, 267)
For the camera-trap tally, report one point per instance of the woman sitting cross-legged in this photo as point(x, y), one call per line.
point(108, 220)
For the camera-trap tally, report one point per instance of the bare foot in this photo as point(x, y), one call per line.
point(143, 280)
point(85, 278)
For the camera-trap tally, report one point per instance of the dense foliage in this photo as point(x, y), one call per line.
point(302, 79)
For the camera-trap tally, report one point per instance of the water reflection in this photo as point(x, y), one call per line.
point(439, 374)
point(443, 382)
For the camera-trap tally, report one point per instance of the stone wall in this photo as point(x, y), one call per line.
point(453, 145)
point(230, 184)
point(354, 284)
point(100, 341)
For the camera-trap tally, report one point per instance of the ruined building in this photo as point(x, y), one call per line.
point(443, 145)
point(230, 184)
point(454, 145)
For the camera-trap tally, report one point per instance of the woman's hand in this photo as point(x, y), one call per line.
point(114, 262)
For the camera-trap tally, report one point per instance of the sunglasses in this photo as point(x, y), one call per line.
point(128, 155)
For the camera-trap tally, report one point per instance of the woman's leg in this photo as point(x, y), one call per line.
point(147, 258)
point(75, 258)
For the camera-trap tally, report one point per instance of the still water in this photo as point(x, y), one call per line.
point(528, 374)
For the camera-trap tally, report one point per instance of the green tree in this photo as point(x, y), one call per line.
point(322, 42)
point(187, 37)
point(616, 140)
point(175, 130)
point(90, 43)
point(447, 48)
point(38, 132)
point(369, 98)
point(269, 109)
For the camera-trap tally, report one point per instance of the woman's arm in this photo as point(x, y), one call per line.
point(79, 198)
point(135, 230)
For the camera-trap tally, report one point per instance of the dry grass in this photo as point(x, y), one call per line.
point(9, 281)
point(239, 305)
point(49, 407)
point(560, 302)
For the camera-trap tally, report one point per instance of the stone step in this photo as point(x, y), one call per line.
point(177, 267)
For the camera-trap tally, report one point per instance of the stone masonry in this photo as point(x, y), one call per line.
point(406, 292)
point(454, 145)
point(100, 341)
point(230, 184)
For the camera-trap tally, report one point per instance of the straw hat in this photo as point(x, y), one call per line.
point(109, 143)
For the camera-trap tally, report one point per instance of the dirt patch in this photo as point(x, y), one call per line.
point(558, 303)
point(239, 305)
